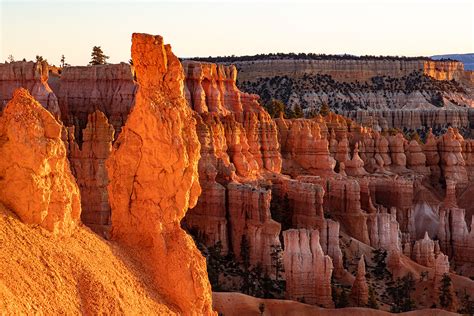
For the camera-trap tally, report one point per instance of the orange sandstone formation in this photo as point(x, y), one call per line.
point(88, 166)
point(35, 180)
point(153, 178)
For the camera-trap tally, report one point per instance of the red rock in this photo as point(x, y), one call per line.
point(31, 76)
point(304, 149)
point(153, 172)
point(249, 216)
point(308, 271)
point(384, 230)
point(88, 166)
point(84, 89)
point(452, 161)
point(35, 180)
point(455, 238)
point(360, 289)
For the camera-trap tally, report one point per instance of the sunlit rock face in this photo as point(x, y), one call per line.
point(31, 76)
point(35, 180)
point(153, 172)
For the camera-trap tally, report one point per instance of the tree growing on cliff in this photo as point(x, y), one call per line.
point(63, 61)
point(274, 107)
point(277, 260)
point(40, 59)
point(98, 56)
point(400, 293)
point(372, 303)
point(445, 295)
point(380, 269)
point(10, 58)
point(324, 110)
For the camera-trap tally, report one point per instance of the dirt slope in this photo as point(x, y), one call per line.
point(83, 273)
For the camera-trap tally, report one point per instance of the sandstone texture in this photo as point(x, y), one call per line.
point(108, 88)
point(88, 166)
point(35, 180)
point(31, 76)
point(153, 172)
point(308, 271)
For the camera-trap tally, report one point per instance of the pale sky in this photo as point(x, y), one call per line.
point(211, 28)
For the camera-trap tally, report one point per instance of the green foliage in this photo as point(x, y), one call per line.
point(40, 59)
point(259, 284)
point(437, 99)
point(98, 57)
point(324, 110)
point(372, 303)
point(261, 308)
point(277, 260)
point(339, 294)
point(274, 107)
point(215, 264)
point(380, 269)
point(445, 295)
point(467, 305)
point(245, 252)
point(400, 293)
point(296, 112)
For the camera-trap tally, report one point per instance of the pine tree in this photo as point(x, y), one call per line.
point(98, 56)
point(277, 260)
point(372, 303)
point(63, 61)
point(324, 111)
point(445, 295)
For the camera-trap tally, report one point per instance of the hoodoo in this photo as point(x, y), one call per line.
point(35, 180)
point(153, 172)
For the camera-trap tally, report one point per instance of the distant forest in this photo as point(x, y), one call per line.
point(309, 56)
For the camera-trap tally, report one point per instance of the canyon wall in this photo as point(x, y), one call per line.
point(324, 186)
point(84, 89)
point(31, 76)
point(347, 70)
point(460, 118)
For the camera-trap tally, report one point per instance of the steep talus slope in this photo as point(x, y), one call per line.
point(82, 273)
point(152, 266)
point(65, 268)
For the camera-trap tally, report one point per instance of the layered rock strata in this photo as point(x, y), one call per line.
point(31, 76)
point(108, 88)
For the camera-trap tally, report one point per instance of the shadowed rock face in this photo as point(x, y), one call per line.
point(35, 180)
point(153, 172)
